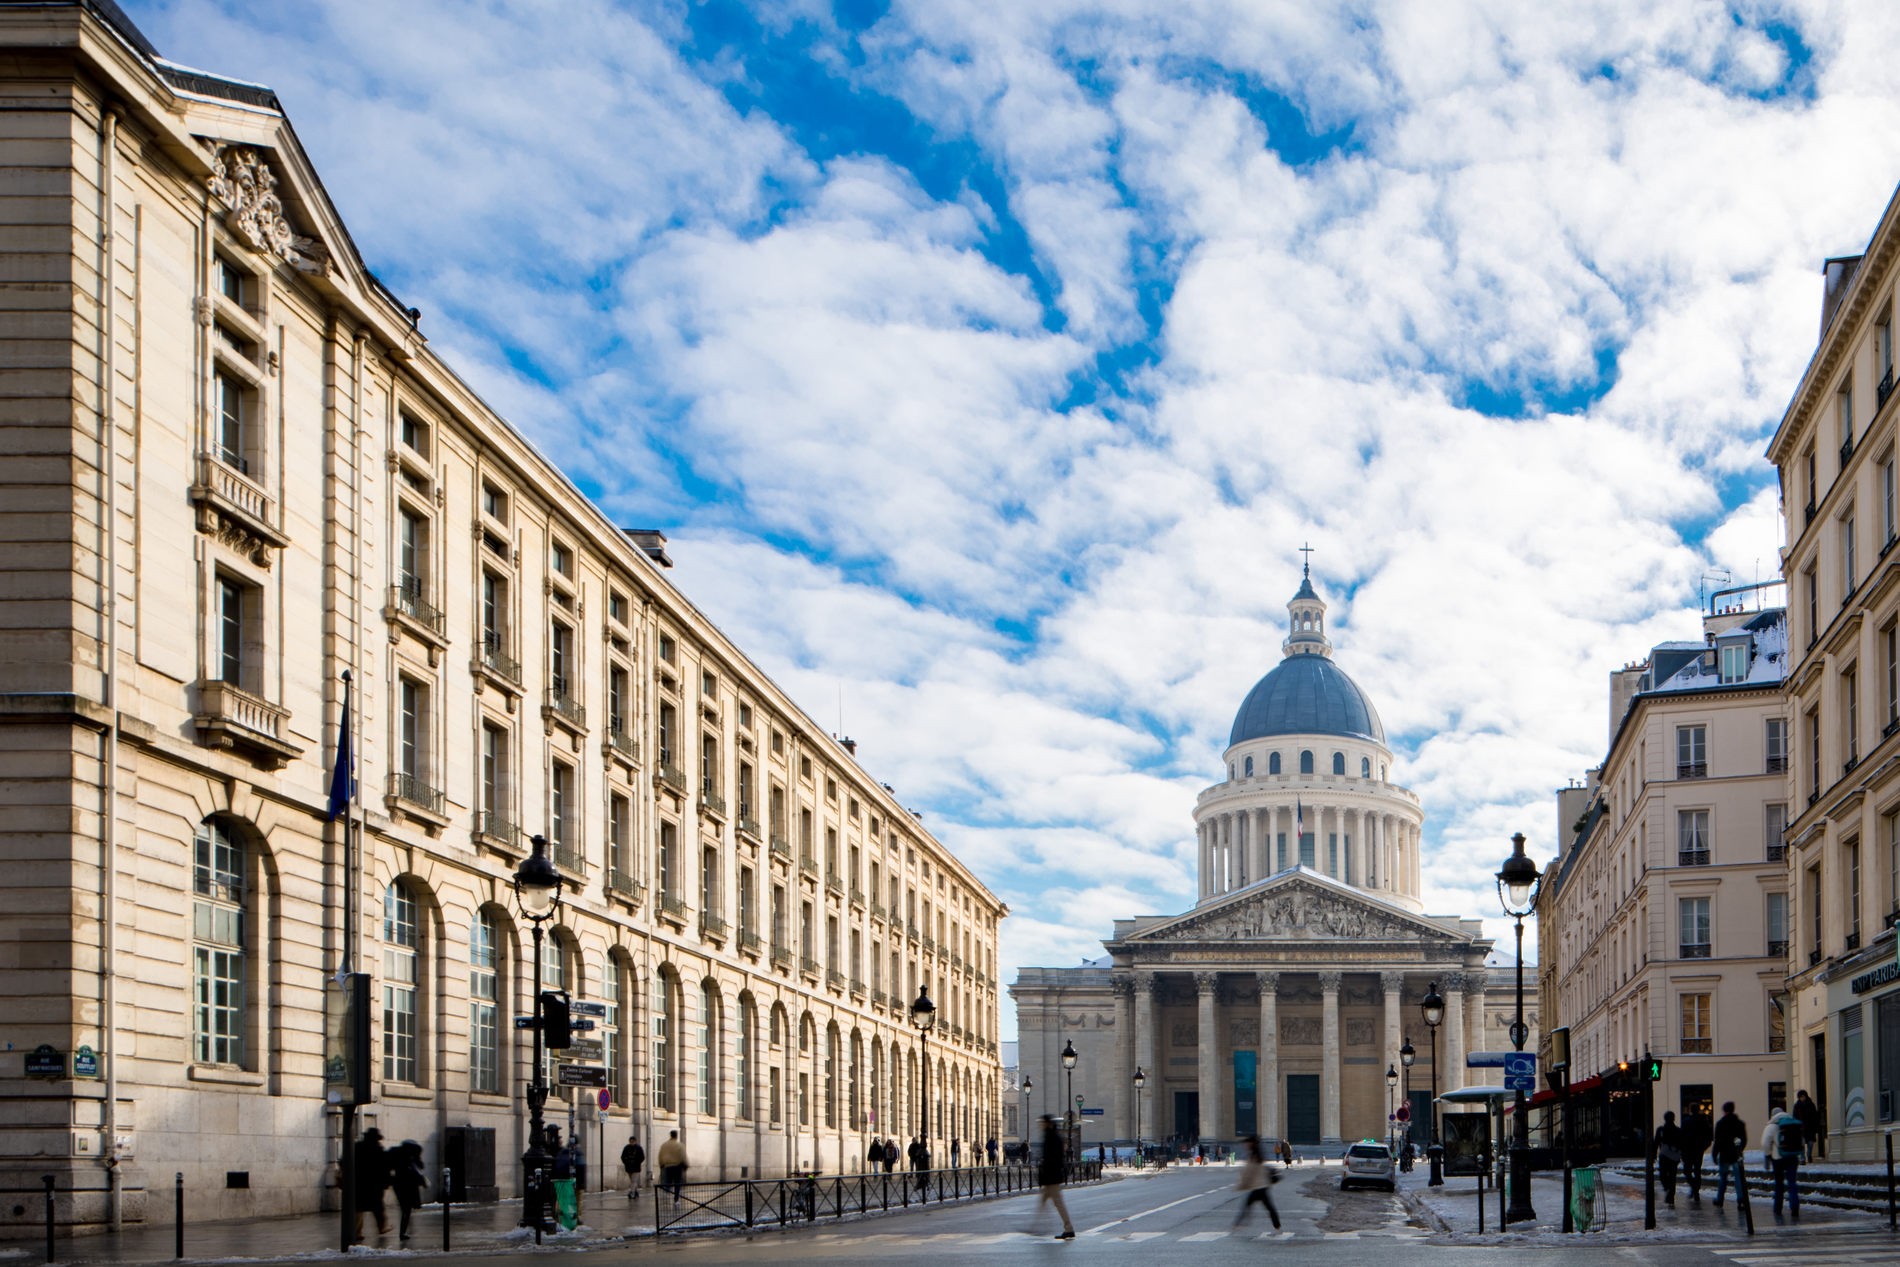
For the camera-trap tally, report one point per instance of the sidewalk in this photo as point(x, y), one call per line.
point(1453, 1210)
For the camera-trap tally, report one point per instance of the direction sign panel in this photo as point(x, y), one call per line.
point(584, 1049)
point(581, 1007)
point(580, 1075)
point(1520, 1071)
point(1093, 1112)
point(524, 1022)
point(580, 1027)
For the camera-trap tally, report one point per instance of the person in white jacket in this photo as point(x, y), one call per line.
point(1783, 1140)
point(1256, 1180)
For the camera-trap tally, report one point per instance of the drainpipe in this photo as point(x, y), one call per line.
point(109, 777)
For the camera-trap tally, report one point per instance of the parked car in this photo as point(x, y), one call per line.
point(1369, 1161)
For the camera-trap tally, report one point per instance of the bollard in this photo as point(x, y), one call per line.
point(448, 1186)
point(48, 1181)
point(178, 1215)
point(1483, 1166)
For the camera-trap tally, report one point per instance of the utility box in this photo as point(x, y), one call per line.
point(469, 1153)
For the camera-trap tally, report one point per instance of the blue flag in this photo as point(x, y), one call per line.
point(343, 776)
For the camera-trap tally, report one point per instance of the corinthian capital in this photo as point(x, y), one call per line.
point(1329, 982)
point(1207, 982)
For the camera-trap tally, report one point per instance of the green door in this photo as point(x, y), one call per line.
point(1302, 1108)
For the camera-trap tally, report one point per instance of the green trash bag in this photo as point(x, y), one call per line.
point(1584, 1189)
point(567, 1207)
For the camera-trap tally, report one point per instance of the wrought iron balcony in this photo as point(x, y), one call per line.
point(1853, 941)
point(1778, 949)
point(1697, 1046)
point(1778, 765)
point(623, 744)
point(781, 846)
point(807, 864)
point(1883, 389)
point(492, 826)
point(857, 896)
point(1692, 857)
point(751, 943)
point(569, 858)
point(408, 601)
point(563, 707)
point(711, 925)
point(746, 825)
point(1694, 950)
point(808, 966)
point(877, 909)
point(671, 904)
point(710, 801)
point(834, 885)
point(834, 978)
point(781, 957)
point(625, 885)
point(857, 987)
point(1777, 851)
point(494, 659)
point(412, 791)
point(1692, 769)
point(671, 775)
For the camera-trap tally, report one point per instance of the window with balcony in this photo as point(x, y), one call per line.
point(239, 640)
point(710, 796)
point(1697, 1034)
point(1850, 560)
point(781, 932)
point(402, 982)
point(1844, 418)
point(494, 653)
point(1850, 715)
point(622, 874)
point(1776, 921)
point(1814, 914)
point(563, 675)
point(669, 724)
point(1810, 482)
point(619, 713)
point(1814, 755)
point(496, 809)
point(1774, 831)
point(748, 907)
point(1775, 741)
point(1889, 525)
point(1693, 923)
point(1777, 1021)
point(414, 781)
point(669, 869)
point(1850, 873)
point(745, 794)
point(563, 805)
point(1811, 601)
point(234, 408)
point(711, 908)
point(1692, 752)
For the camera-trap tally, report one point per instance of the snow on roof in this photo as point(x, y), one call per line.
point(1767, 658)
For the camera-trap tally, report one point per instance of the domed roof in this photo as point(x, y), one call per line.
point(1306, 695)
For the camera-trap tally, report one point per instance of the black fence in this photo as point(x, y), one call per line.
point(798, 1199)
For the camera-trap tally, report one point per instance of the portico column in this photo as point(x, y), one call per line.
point(1125, 1052)
point(1267, 1084)
point(1454, 1033)
point(1208, 986)
point(1474, 1009)
point(1355, 847)
point(1393, 983)
point(1146, 986)
point(1329, 1057)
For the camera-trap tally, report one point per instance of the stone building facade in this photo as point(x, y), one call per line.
point(234, 470)
point(1664, 921)
point(1277, 1004)
point(1835, 454)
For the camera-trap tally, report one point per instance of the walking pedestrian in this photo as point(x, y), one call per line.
point(406, 1177)
point(1695, 1142)
point(1731, 1144)
point(874, 1156)
point(1784, 1140)
point(890, 1155)
point(673, 1165)
point(1668, 1149)
point(633, 1160)
point(1256, 1180)
point(372, 1180)
point(919, 1165)
point(1050, 1172)
point(1813, 1138)
point(989, 1147)
point(956, 1152)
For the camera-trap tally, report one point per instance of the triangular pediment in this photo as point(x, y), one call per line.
point(1300, 906)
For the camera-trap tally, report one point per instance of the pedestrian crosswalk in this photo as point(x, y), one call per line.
point(1849, 1251)
point(1183, 1236)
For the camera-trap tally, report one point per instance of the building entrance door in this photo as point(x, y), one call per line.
point(1187, 1114)
point(1302, 1108)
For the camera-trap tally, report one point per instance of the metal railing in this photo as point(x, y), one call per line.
point(566, 707)
point(808, 965)
point(497, 661)
point(746, 825)
point(751, 942)
point(411, 790)
point(1692, 769)
point(710, 801)
point(835, 885)
point(673, 905)
point(1779, 949)
point(623, 743)
point(808, 864)
point(569, 858)
point(1777, 851)
point(1692, 857)
point(1693, 950)
point(620, 882)
point(672, 776)
point(781, 846)
point(781, 957)
point(813, 1198)
point(711, 925)
point(406, 597)
point(492, 825)
point(834, 978)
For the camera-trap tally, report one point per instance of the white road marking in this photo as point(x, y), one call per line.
point(1205, 1236)
point(1102, 1227)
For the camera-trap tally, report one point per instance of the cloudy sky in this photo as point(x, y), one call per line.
point(987, 361)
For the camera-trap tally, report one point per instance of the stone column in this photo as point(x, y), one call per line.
point(1268, 1087)
point(1393, 983)
point(1207, 984)
point(1355, 848)
point(1329, 1058)
point(1147, 1054)
point(1454, 1027)
point(1263, 838)
point(1123, 1067)
point(1474, 1009)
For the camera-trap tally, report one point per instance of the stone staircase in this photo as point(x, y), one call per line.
point(1865, 1191)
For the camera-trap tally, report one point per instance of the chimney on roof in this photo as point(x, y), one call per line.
point(652, 543)
point(850, 745)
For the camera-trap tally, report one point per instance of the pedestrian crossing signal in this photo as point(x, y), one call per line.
point(1652, 1069)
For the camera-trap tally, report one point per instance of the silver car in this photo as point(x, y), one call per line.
point(1369, 1161)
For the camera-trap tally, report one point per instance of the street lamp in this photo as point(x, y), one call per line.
point(1068, 1063)
point(1517, 891)
point(1141, 1080)
point(1407, 1054)
point(1391, 1118)
point(923, 1015)
point(537, 897)
point(1432, 1007)
point(1029, 1089)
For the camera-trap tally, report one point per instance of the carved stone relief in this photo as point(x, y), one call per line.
point(244, 182)
point(1299, 1031)
point(1243, 1033)
point(1184, 1034)
point(1358, 1033)
point(1297, 911)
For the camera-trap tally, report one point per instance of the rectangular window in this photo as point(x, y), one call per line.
point(1777, 925)
point(669, 649)
point(494, 771)
point(708, 1088)
point(1774, 831)
point(1692, 838)
point(561, 811)
point(1890, 661)
point(1814, 755)
point(402, 940)
point(669, 732)
point(708, 768)
point(662, 1050)
point(1851, 866)
point(412, 554)
point(1697, 1035)
point(1693, 918)
point(414, 432)
point(742, 1063)
point(1889, 525)
point(494, 613)
point(1692, 752)
point(776, 1095)
point(231, 399)
point(1734, 667)
point(230, 281)
point(748, 912)
point(1809, 469)
point(617, 607)
point(494, 503)
point(1814, 912)
point(1777, 1021)
point(412, 727)
point(619, 838)
point(1850, 714)
point(709, 881)
point(1850, 563)
point(561, 560)
point(484, 1002)
point(617, 698)
point(560, 658)
point(669, 864)
point(610, 1027)
point(1776, 742)
point(235, 605)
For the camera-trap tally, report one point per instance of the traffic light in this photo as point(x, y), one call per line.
point(1652, 1069)
point(556, 1023)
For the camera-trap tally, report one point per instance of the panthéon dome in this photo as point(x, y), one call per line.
point(1307, 694)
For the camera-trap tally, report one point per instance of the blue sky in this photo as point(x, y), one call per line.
point(987, 363)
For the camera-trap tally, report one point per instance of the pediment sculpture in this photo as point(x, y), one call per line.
point(242, 179)
point(1295, 911)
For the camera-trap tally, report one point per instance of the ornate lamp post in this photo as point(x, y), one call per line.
point(537, 897)
point(1407, 1054)
point(1391, 1119)
point(1140, 1080)
point(1068, 1063)
point(1518, 883)
point(923, 1015)
point(1029, 1089)
point(1432, 1007)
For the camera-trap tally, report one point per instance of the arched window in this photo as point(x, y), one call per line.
point(1273, 763)
point(219, 977)
point(1382, 772)
point(831, 1076)
point(611, 1050)
point(1339, 763)
point(1230, 771)
point(484, 1005)
point(1306, 762)
point(1365, 767)
point(1249, 767)
point(662, 1045)
point(742, 1056)
point(402, 979)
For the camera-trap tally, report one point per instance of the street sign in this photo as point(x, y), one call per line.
point(581, 1007)
point(85, 1063)
point(46, 1061)
point(1520, 1071)
point(604, 1099)
point(1093, 1112)
point(580, 1076)
point(584, 1049)
point(524, 1022)
point(580, 1027)
point(1487, 1059)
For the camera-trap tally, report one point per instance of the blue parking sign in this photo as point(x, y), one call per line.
point(1520, 1071)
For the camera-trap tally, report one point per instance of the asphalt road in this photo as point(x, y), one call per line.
point(1188, 1214)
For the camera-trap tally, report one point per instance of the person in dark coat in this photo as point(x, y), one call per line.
point(371, 1181)
point(890, 1155)
point(1697, 1133)
point(920, 1164)
point(407, 1178)
point(989, 1146)
point(1731, 1142)
point(633, 1160)
point(1808, 1113)
point(1050, 1173)
point(1668, 1149)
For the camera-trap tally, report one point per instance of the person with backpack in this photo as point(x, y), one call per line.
point(1785, 1141)
point(1667, 1147)
point(1695, 1142)
point(1729, 1147)
point(890, 1155)
point(633, 1160)
point(1256, 1180)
